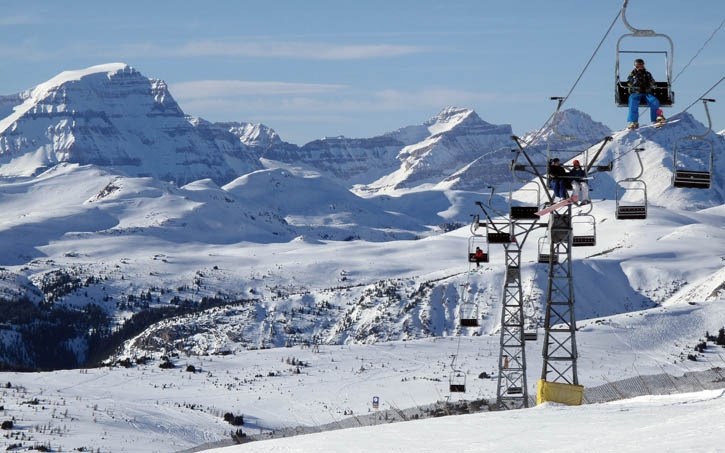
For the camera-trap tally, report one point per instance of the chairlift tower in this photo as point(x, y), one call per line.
point(559, 351)
point(512, 388)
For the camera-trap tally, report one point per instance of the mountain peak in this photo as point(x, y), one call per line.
point(570, 128)
point(111, 115)
point(109, 69)
point(449, 118)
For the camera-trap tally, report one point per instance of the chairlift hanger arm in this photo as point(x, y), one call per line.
point(707, 112)
point(475, 223)
point(635, 31)
point(531, 163)
point(606, 140)
point(488, 217)
point(641, 166)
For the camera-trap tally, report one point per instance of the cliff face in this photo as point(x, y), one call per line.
point(111, 115)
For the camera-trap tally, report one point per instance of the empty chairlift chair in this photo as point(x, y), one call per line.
point(584, 230)
point(498, 233)
point(531, 334)
point(457, 381)
point(631, 195)
point(545, 250)
point(526, 210)
point(693, 158)
point(468, 311)
point(631, 199)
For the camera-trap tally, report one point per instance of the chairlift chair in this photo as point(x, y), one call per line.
point(478, 241)
point(663, 89)
point(631, 194)
point(584, 230)
point(457, 381)
point(498, 233)
point(531, 334)
point(528, 211)
point(631, 197)
point(545, 250)
point(468, 313)
point(693, 158)
point(697, 172)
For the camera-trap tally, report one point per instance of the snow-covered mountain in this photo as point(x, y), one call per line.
point(256, 136)
point(568, 129)
point(658, 147)
point(112, 116)
point(409, 156)
point(456, 137)
point(258, 264)
point(61, 222)
point(351, 161)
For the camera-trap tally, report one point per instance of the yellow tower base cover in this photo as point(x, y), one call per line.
point(558, 392)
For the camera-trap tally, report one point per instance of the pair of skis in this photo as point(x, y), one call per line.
point(557, 205)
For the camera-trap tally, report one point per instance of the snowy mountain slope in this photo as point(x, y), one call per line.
point(640, 263)
point(106, 214)
point(256, 136)
point(404, 158)
point(121, 408)
point(657, 156)
point(311, 201)
point(457, 137)
point(350, 160)
point(568, 129)
point(356, 297)
point(112, 116)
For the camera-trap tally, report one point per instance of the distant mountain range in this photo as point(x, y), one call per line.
point(112, 116)
point(117, 204)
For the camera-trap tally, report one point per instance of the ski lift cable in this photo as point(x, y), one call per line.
point(599, 46)
point(619, 13)
point(712, 35)
point(581, 74)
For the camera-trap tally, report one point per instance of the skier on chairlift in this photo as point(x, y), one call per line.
point(557, 181)
point(478, 256)
point(579, 184)
point(641, 83)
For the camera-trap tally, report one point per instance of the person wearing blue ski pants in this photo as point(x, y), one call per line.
point(652, 101)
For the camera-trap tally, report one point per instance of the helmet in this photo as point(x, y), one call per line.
point(576, 163)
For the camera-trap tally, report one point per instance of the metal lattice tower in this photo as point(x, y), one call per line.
point(512, 390)
point(559, 351)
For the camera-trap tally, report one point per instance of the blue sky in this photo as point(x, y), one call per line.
point(318, 68)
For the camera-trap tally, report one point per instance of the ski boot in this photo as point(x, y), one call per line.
point(633, 125)
point(660, 118)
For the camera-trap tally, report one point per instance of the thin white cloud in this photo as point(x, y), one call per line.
point(20, 20)
point(226, 89)
point(235, 49)
point(220, 99)
point(300, 50)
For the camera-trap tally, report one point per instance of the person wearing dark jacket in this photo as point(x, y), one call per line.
point(641, 83)
point(557, 180)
